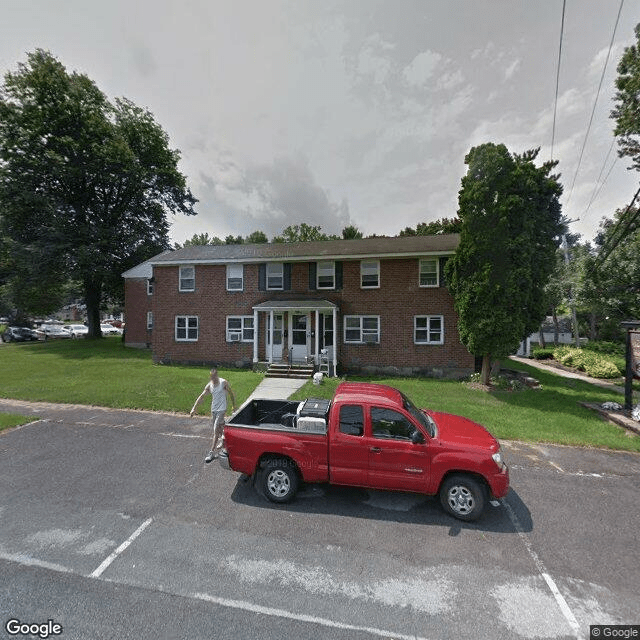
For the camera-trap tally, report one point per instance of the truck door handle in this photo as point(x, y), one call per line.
point(376, 450)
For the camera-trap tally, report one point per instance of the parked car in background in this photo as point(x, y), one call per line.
point(51, 331)
point(19, 334)
point(77, 330)
point(109, 330)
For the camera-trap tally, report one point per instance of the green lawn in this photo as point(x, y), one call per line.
point(8, 420)
point(105, 373)
point(551, 414)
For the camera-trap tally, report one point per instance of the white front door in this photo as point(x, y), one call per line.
point(276, 354)
point(299, 336)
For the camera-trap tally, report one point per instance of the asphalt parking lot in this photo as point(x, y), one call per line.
point(111, 526)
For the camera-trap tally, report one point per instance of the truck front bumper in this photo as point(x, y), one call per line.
point(499, 483)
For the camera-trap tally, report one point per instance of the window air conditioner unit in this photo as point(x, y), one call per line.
point(235, 336)
point(370, 338)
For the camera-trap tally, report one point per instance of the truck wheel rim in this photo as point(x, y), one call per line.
point(461, 500)
point(278, 483)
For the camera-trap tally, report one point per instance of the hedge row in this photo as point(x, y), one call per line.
point(590, 362)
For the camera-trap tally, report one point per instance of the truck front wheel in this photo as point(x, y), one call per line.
point(463, 497)
point(279, 480)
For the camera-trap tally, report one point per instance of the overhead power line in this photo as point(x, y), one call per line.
point(555, 104)
point(612, 241)
point(595, 102)
point(598, 186)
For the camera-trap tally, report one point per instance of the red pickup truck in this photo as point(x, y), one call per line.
point(371, 436)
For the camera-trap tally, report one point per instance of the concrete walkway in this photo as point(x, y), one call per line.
point(277, 388)
point(571, 374)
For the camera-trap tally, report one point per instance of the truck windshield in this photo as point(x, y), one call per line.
point(425, 420)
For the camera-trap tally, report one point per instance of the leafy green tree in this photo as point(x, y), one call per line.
point(200, 240)
point(257, 237)
point(351, 233)
point(627, 103)
point(615, 283)
point(510, 229)
point(302, 233)
point(445, 225)
point(85, 185)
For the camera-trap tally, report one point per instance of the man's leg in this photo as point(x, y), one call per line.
point(217, 422)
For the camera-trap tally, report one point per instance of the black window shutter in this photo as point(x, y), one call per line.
point(286, 270)
point(262, 277)
point(312, 276)
point(338, 275)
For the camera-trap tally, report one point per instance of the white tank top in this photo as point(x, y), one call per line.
point(218, 395)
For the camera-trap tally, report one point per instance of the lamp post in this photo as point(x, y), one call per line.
point(629, 325)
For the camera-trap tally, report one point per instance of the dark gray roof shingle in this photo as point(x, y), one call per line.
point(330, 249)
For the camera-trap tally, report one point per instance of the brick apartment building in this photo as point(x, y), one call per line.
point(370, 305)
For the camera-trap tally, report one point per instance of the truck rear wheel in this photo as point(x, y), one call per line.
point(463, 497)
point(279, 480)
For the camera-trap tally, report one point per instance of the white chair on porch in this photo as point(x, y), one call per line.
point(323, 364)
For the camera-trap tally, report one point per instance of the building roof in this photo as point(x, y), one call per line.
point(377, 247)
point(144, 269)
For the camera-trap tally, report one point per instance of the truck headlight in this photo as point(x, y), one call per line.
point(497, 458)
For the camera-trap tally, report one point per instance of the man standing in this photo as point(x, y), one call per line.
point(218, 388)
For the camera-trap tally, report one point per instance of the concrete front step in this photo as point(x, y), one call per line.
point(286, 371)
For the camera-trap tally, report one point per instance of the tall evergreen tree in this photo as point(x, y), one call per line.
point(510, 230)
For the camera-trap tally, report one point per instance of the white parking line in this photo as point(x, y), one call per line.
point(300, 617)
point(562, 603)
point(100, 570)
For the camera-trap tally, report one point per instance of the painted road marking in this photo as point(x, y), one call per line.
point(562, 603)
point(105, 564)
point(300, 617)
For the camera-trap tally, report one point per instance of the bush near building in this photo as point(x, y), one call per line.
point(592, 363)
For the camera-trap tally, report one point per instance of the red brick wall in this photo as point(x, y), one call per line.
point(397, 301)
point(137, 303)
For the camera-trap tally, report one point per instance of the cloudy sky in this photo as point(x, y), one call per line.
point(338, 112)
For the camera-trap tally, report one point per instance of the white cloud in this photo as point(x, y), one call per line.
point(422, 68)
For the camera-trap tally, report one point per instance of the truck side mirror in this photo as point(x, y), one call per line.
point(417, 437)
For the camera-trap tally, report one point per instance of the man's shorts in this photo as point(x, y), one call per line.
point(217, 419)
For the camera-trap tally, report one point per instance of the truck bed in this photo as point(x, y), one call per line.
point(308, 416)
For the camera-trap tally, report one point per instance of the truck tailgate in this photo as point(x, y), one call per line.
point(246, 444)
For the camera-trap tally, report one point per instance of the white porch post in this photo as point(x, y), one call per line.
point(255, 335)
point(335, 341)
point(316, 352)
point(271, 336)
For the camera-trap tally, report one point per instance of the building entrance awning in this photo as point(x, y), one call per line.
point(298, 330)
point(308, 304)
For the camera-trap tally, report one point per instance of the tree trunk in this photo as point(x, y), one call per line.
point(93, 298)
point(541, 341)
point(485, 376)
point(556, 329)
point(592, 326)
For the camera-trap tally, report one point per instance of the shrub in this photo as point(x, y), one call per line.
point(605, 348)
point(542, 354)
point(590, 362)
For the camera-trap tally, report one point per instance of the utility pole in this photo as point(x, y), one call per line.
point(574, 317)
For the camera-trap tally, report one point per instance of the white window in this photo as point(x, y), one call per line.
point(362, 329)
point(235, 277)
point(429, 272)
point(150, 287)
point(428, 329)
point(275, 276)
point(186, 328)
point(370, 274)
point(149, 319)
point(326, 275)
point(187, 279)
point(239, 328)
